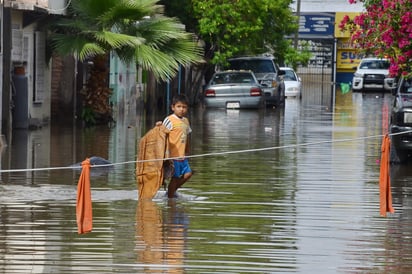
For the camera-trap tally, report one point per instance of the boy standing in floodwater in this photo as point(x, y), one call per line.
point(179, 127)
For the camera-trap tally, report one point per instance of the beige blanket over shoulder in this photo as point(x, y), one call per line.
point(149, 167)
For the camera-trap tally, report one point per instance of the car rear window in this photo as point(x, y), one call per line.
point(224, 78)
point(257, 65)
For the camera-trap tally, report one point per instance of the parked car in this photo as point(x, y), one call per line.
point(401, 120)
point(234, 90)
point(293, 83)
point(373, 74)
point(268, 74)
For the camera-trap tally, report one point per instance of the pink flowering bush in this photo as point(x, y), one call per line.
point(384, 30)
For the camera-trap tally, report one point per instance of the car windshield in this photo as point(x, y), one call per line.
point(407, 86)
point(289, 75)
point(375, 64)
point(257, 66)
point(238, 78)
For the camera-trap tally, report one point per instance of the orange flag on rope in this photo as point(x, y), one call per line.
point(84, 213)
point(384, 179)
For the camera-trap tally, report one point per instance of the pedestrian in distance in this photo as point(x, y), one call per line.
point(178, 125)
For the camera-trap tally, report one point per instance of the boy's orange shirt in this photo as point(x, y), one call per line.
point(178, 135)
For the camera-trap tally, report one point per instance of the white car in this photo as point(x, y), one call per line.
point(293, 83)
point(373, 74)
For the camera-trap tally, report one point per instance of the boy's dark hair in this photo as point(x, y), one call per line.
point(180, 98)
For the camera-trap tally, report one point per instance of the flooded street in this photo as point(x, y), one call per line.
point(293, 190)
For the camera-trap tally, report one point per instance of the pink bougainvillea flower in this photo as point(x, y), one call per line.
point(385, 29)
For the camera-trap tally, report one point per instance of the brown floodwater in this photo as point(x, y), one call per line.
point(292, 190)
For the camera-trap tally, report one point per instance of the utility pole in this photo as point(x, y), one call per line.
point(6, 67)
point(1, 63)
point(296, 40)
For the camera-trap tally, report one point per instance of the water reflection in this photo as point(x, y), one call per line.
point(161, 236)
point(310, 204)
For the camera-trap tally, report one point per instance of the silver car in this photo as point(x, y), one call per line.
point(233, 90)
point(268, 74)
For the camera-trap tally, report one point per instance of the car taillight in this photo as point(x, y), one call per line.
point(255, 92)
point(210, 93)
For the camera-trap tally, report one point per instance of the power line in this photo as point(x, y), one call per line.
point(209, 154)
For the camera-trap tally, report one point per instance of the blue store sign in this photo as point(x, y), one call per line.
point(316, 25)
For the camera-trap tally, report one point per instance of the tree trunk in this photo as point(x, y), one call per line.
point(96, 106)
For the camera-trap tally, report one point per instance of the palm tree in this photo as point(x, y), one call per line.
point(136, 30)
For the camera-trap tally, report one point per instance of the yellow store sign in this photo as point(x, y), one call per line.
point(338, 19)
point(348, 58)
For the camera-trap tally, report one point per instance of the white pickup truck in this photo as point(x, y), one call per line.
point(373, 74)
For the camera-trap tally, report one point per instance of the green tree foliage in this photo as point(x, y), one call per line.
point(295, 57)
point(136, 30)
point(384, 30)
point(239, 27)
point(183, 10)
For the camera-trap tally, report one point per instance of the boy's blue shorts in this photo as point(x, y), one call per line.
point(181, 167)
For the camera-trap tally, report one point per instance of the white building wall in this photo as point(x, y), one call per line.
point(123, 83)
point(28, 51)
point(47, 6)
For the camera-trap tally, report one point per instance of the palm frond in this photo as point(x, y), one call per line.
point(130, 11)
point(76, 45)
point(160, 64)
point(89, 50)
point(117, 40)
point(92, 8)
point(136, 30)
point(160, 30)
point(184, 51)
